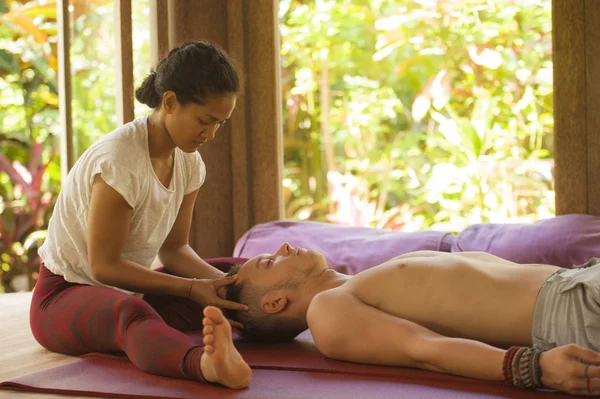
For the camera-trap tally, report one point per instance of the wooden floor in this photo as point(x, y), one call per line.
point(20, 354)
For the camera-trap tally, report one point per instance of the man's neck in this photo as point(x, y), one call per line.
point(328, 280)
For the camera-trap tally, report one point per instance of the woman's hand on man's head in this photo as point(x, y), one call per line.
point(211, 292)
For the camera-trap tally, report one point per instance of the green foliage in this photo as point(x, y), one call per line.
point(29, 174)
point(404, 114)
point(93, 67)
point(29, 122)
point(417, 114)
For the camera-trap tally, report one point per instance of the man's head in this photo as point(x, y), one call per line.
point(277, 289)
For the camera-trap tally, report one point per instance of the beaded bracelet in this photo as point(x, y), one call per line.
point(506, 365)
point(521, 367)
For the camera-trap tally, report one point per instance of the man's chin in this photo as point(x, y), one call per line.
point(321, 260)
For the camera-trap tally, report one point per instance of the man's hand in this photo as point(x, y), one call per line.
point(564, 369)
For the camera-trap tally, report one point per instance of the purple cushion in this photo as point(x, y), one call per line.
point(347, 249)
point(562, 241)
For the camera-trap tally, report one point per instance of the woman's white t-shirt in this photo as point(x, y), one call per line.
point(123, 160)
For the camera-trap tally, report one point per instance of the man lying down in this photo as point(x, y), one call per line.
point(452, 313)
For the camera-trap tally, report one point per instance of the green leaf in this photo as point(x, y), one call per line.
point(8, 64)
point(48, 11)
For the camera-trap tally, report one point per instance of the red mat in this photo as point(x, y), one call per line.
point(280, 371)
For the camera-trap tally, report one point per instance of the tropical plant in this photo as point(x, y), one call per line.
point(29, 172)
point(29, 128)
point(400, 114)
point(24, 210)
point(436, 111)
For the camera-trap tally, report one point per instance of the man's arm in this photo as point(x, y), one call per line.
point(176, 254)
point(346, 328)
point(473, 255)
point(420, 254)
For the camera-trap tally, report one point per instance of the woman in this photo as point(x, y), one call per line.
point(129, 198)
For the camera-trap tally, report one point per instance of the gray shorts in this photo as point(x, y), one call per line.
point(567, 310)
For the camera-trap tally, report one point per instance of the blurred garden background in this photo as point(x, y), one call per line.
point(398, 114)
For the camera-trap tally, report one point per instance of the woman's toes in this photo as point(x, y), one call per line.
point(214, 314)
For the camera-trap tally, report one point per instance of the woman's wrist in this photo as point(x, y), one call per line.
point(183, 286)
point(189, 294)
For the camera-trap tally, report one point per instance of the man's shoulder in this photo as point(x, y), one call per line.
point(324, 305)
point(328, 316)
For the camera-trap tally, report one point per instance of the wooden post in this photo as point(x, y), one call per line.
point(159, 31)
point(245, 161)
point(576, 60)
point(242, 202)
point(67, 157)
point(264, 96)
point(592, 69)
point(124, 61)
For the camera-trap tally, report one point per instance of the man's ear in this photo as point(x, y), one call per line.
point(274, 302)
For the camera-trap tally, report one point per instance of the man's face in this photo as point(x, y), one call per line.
point(288, 266)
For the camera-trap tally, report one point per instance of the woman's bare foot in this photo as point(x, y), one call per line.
point(221, 362)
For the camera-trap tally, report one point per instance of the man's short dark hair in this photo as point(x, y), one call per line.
point(258, 325)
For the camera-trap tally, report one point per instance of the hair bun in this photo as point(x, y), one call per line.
point(146, 93)
point(193, 71)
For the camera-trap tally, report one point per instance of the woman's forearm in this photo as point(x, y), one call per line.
point(185, 262)
point(131, 276)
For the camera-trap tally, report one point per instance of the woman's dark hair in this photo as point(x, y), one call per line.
point(193, 71)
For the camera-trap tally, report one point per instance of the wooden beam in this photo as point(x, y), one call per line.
point(570, 106)
point(174, 18)
point(592, 69)
point(240, 130)
point(159, 31)
point(124, 61)
point(264, 96)
point(67, 156)
point(245, 161)
point(211, 232)
point(576, 60)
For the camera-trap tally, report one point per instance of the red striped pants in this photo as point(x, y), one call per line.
point(75, 319)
